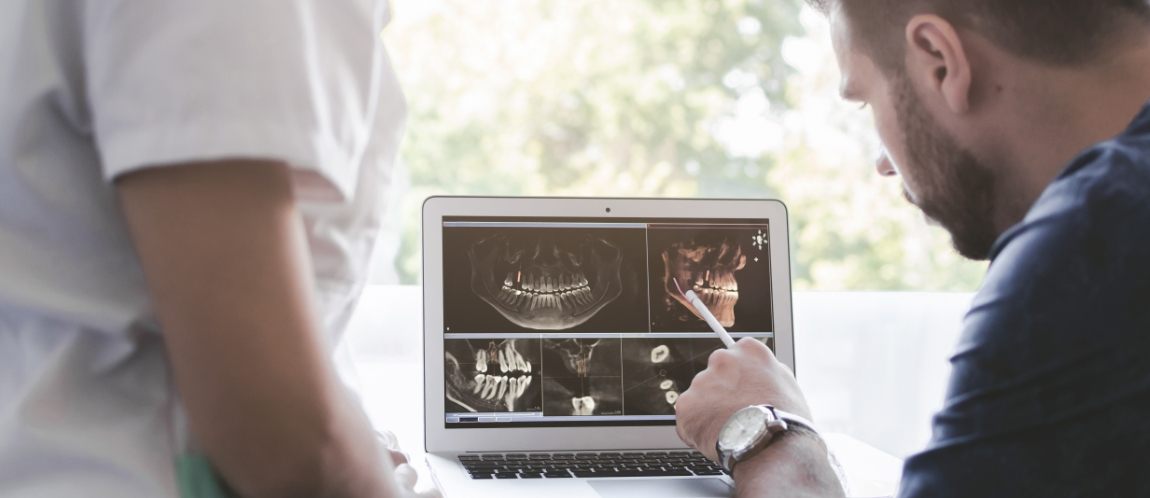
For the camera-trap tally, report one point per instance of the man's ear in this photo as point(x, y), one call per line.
point(937, 59)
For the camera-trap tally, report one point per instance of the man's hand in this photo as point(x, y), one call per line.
point(747, 374)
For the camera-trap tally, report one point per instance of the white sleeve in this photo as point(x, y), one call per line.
point(175, 81)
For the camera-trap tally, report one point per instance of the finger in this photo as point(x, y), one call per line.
point(701, 379)
point(682, 411)
point(398, 457)
point(754, 347)
point(406, 476)
point(683, 435)
point(719, 359)
point(430, 493)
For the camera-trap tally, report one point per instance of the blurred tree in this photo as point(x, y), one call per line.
point(678, 98)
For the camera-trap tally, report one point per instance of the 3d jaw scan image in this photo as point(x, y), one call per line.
point(544, 279)
point(582, 377)
point(495, 375)
point(727, 267)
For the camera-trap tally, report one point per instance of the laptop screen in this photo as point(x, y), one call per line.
point(562, 322)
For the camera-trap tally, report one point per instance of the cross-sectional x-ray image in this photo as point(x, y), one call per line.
point(514, 279)
point(582, 377)
point(727, 267)
point(492, 375)
point(656, 371)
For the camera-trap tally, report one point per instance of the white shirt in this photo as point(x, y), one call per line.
point(90, 90)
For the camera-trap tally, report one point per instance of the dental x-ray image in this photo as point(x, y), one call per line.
point(728, 267)
point(512, 279)
point(492, 375)
point(582, 377)
point(657, 371)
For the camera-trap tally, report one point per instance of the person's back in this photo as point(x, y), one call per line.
point(225, 151)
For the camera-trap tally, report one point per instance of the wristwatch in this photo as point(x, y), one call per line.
point(753, 428)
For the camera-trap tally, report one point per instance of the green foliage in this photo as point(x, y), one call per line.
point(675, 98)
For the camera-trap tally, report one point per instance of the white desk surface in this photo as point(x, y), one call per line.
point(852, 379)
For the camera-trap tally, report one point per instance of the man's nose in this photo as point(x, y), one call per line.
point(883, 164)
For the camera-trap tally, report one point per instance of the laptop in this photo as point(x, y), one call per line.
point(556, 346)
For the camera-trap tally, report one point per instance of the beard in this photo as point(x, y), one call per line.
point(954, 188)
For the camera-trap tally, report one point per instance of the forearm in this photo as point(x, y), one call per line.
point(227, 266)
point(794, 466)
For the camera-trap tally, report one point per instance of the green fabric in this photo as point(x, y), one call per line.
point(197, 478)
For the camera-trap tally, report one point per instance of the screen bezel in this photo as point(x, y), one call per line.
point(439, 438)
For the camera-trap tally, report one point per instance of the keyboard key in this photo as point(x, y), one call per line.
point(708, 473)
point(557, 475)
point(650, 473)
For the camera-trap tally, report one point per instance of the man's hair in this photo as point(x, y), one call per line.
point(1057, 32)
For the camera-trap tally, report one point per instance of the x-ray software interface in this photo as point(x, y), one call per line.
point(576, 322)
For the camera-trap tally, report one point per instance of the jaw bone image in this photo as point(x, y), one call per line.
point(656, 371)
point(492, 375)
point(708, 267)
point(546, 282)
point(581, 377)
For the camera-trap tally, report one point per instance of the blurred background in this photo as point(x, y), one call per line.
point(665, 98)
point(676, 98)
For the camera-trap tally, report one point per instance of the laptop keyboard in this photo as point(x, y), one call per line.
point(585, 464)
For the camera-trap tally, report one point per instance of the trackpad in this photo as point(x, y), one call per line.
point(661, 488)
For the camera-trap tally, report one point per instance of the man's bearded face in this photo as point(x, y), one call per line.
point(951, 186)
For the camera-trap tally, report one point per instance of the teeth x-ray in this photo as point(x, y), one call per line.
point(492, 375)
point(539, 279)
point(549, 284)
point(582, 377)
point(573, 309)
point(656, 371)
point(727, 267)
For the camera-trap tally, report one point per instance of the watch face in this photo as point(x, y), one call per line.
point(742, 430)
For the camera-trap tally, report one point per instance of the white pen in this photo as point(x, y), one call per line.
point(706, 314)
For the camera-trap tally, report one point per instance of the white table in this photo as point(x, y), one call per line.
point(873, 366)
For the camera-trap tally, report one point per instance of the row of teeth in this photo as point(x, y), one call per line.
point(564, 299)
point(545, 284)
point(493, 387)
point(718, 299)
point(509, 361)
point(703, 290)
point(722, 281)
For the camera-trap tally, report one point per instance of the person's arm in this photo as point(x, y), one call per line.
point(228, 269)
point(749, 374)
point(794, 466)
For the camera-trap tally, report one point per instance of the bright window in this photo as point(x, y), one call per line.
point(706, 98)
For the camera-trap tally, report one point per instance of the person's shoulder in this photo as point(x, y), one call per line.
point(1086, 237)
point(1103, 194)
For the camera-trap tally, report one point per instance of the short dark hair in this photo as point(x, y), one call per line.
point(1057, 32)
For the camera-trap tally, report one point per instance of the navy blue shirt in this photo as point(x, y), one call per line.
point(1050, 390)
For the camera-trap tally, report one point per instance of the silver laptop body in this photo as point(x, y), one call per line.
point(550, 334)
